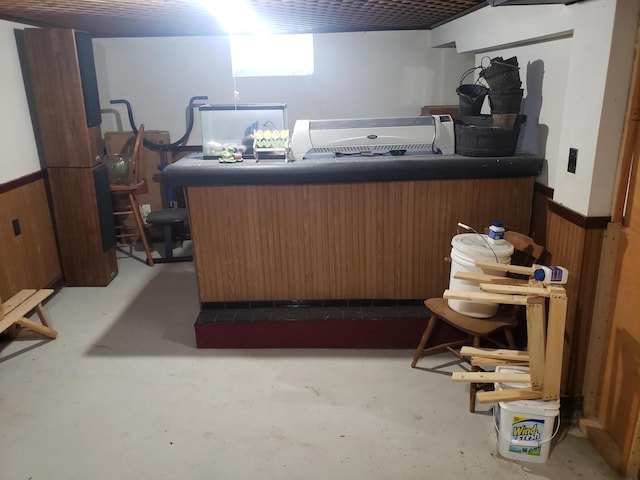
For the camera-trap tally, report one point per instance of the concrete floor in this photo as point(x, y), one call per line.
point(123, 394)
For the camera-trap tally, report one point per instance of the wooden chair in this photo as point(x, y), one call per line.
point(526, 252)
point(13, 311)
point(132, 206)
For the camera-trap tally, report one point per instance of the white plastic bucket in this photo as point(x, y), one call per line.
point(525, 428)
point(467, 248)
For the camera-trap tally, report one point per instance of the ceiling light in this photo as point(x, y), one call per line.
point(235, 16)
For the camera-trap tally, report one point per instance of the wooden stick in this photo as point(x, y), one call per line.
point(488, 362)
point(514, 289)
point(444, 346)
point(555, 343)
point(501, 267)
point(536, 339)
point(509, 395)
point(36, 327)
point(499, 353)
point(490, 377)
point(485, 297)
point(476, 277)
point(42, 315)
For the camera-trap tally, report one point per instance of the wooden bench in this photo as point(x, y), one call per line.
point(13, 311)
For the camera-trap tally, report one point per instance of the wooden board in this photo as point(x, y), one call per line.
point(490, 266)
point(555, 343)
point(477, 277)
point(509, 395)
point(536, 339)
point(490, 377)
point(485, 297)
point(498, 353)
point(488, 362)
point(514, 289)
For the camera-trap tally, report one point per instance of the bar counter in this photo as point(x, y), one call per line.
point(345, 228)
point(195, 171)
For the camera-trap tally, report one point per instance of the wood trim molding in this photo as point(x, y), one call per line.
point(543, 189)
point(588, 223)
point(19, 182)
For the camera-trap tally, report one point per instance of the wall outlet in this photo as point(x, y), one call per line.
point(573, 160)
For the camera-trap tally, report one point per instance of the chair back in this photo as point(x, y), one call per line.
point(526, 251)
point(134, 165)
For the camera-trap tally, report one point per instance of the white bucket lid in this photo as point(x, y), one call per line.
point(547, 408)
point(476, 245)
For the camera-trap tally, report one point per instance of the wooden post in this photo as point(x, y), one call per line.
point(536, 339)
point(555, 343)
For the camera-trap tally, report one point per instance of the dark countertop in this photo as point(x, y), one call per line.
point(195, 171)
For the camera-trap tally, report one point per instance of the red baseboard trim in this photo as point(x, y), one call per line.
point(378, 333)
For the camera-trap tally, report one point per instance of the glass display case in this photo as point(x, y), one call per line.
point(238, 126)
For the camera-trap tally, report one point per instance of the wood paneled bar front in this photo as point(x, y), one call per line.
point(349, 228)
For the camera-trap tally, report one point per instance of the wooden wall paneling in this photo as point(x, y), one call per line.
point(538, 229)
point(576, 247)
point(366, 240)
point(84, 262)
point(566, 246)
point(585, 309)
point(565, 242)
point(54, 74)
point(30, 259)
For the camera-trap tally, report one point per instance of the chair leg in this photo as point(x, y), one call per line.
point(473, 387)
point(140, 223)
point(510, 340)
point(423, 341)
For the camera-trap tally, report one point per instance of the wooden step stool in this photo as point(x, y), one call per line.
point(13, 311)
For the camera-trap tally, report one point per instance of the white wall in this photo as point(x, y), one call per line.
point(356, 75)
point(543, 71)
point(19, 155)
point(583, 95)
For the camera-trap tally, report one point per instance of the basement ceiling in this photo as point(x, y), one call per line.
point(145, 18)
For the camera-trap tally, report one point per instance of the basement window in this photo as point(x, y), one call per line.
point(272, 55)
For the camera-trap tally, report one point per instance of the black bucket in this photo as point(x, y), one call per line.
point(478, 137)
point(471, 98)
point(505, 101)
point(502, 74)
